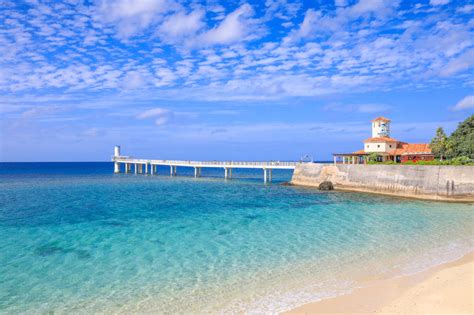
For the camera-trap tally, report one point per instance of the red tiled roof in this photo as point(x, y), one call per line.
point(359, 152)
point(381, 139)
point(381, 118)
point(412, 148)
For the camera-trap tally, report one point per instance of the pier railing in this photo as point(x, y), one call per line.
point(142, 166)
point(235, 164)
point(227, 163)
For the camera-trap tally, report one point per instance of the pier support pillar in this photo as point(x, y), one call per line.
point(152, 169)
point(267, 175)
point(136, 168)
point(197, 172)
point(335, 159)
point(227, 173)
point(172, 170)
point(116, 167)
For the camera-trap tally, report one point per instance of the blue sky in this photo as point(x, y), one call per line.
point(231, 80)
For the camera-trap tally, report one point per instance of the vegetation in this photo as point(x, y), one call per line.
point(459, 144)
point(373, 158)
point(462, 139)
point(441, 145)
point(463, 160)
point(384, 163)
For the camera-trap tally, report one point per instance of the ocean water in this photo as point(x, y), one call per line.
point(76, 238)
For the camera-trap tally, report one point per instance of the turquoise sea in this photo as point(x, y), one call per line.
point(76, 238)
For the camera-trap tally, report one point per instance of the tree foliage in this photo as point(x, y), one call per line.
point(440, 145)
point(462, 139)
point(373, 157)
point(460, 144)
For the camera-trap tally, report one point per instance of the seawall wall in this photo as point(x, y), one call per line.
point(447, 183)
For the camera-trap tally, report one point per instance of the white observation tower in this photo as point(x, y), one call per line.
point(381, 127)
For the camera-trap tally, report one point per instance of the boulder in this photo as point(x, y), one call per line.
point(326, 185)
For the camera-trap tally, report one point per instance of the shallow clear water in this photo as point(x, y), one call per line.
point(75, 237)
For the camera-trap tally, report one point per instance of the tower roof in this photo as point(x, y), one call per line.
point(381, 118)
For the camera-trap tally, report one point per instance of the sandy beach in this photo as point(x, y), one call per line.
point(445, 289)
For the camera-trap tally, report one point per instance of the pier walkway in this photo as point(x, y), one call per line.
point(145, 166)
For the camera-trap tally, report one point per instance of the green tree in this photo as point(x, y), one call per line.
point(373, 157)
point(440, 145)
point(462, 139)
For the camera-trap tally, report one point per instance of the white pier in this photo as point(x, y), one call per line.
point(145, 166)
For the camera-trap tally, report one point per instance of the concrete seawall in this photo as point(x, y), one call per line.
point(446, 183)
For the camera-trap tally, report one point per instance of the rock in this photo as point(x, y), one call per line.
point(326, 186)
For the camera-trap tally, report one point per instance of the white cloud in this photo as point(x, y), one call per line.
point(459, 64)
point(150, 113)
point(438, 2)
point(377, 6)
point(161, 115)
point(160, 121)
point(132, 16)
point(468, 8)
point(340, 3)
point(181, 25)
point(93, 132)
point(234, 27)
point(465, 103)
point(40, 111)
point(310, 17)
point(281, 9)
point(361, 108)
point(164, 77)
point(135, 80)
point(317, 22)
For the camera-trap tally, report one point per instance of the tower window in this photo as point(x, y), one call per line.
point(378, 145)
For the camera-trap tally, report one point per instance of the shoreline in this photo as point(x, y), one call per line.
point(445, 288)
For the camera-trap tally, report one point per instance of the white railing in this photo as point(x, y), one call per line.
point(122, 159)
